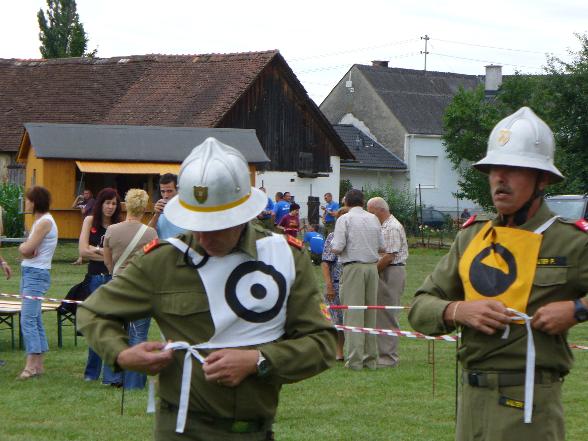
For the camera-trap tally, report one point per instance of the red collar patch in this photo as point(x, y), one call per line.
point(470, 221)
point(582, 224)
point(151, 245)
point(296, 243)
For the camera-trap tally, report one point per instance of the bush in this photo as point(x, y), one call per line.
point(10, 196)
point(344, 186)
point(401, 202)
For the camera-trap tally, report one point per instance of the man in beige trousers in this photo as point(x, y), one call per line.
point(392, 272)
point(357, 241)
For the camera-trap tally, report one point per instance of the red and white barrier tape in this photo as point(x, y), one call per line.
point(367, 307)
point(395, 332)
point(418, 335)
point(44, 299)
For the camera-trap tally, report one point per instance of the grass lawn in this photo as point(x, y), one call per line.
point(389, 404)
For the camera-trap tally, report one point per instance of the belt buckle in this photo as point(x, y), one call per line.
point(474, 379)
point(241, 426)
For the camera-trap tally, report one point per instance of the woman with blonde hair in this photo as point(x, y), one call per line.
point(121, 242)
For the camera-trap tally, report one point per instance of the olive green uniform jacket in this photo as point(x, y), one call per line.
point(565, 277)
point(160, 284)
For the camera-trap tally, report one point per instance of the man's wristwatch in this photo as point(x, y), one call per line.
point(262, 366)
point(580, 311)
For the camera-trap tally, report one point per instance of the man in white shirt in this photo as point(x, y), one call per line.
point(392, 272)
point(358, 240)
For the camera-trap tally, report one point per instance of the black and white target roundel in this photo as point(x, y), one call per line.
point(255, 291)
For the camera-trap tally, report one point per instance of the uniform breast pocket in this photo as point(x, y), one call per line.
point(551, 275)
point(183, 303)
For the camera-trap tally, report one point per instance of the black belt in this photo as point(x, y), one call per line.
point(226, 424)
point(350, 263)
point(481, 379)
point(397, 264)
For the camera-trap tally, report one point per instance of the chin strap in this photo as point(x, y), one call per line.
point(520, 216)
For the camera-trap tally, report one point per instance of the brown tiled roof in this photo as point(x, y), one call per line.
point(418, 98)
point(163, 90)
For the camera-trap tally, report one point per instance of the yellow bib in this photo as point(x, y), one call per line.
point(500, 264)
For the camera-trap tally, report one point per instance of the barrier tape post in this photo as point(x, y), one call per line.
point(433, 367)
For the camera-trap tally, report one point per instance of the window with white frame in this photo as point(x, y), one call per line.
point(425, 171)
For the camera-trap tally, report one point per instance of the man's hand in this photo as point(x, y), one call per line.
point(555, 318)
point(229, 367)
point(160, 205)
point(487, 316)
point(146, 357)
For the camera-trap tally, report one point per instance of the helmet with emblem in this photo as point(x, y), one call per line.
point(521, 140)
point(215, 191)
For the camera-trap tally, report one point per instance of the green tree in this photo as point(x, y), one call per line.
point(560, 97)
point(61, 33)
point(567, 89)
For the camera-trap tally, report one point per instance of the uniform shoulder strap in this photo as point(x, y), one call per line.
point(582, 224)
point(151, 246)
point(470, 221)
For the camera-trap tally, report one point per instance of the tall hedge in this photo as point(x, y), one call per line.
point(13, 220)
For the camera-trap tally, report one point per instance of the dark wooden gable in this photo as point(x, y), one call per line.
point(292, 130)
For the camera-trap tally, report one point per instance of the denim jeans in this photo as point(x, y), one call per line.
point(138, 331)
point(94, 363)
point(33, 282)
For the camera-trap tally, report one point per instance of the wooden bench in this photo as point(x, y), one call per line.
point(11, 308)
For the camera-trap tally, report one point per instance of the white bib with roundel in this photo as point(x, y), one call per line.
point(247, 297)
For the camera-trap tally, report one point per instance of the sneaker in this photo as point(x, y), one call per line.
point(2, 363)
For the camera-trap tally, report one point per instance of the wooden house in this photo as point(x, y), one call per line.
point(67, 158)
point(255, 90)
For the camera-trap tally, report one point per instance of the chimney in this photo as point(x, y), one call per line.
point(493, 80)
point(379, 63)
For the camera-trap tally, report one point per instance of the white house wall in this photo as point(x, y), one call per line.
point(439, 184)
point(301, 188)
point(362, 178)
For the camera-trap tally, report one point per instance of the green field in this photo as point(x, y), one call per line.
point(389, 404)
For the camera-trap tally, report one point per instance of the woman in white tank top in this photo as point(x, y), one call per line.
point(37, 252)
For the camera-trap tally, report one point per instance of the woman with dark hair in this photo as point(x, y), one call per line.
point(106, 212)
point(35, 279)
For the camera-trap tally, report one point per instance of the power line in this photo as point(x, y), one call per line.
point(490, 47)
point(320, 69)
point(484, 61)
point(361, 49)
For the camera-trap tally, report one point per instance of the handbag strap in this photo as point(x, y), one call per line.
point(130, 247)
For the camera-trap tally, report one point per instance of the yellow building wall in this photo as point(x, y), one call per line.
point(59, 177)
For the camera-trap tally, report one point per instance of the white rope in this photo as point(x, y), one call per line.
point(529, 364)
point(191, 351)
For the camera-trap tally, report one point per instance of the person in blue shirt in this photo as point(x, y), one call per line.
point(266, 217)
point(315, 243)
point(282, 208)
point(168, 187)
point(329, 212)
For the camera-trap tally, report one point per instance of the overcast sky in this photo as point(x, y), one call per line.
point(322, 39)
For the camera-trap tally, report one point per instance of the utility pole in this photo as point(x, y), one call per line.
point(426, 38)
